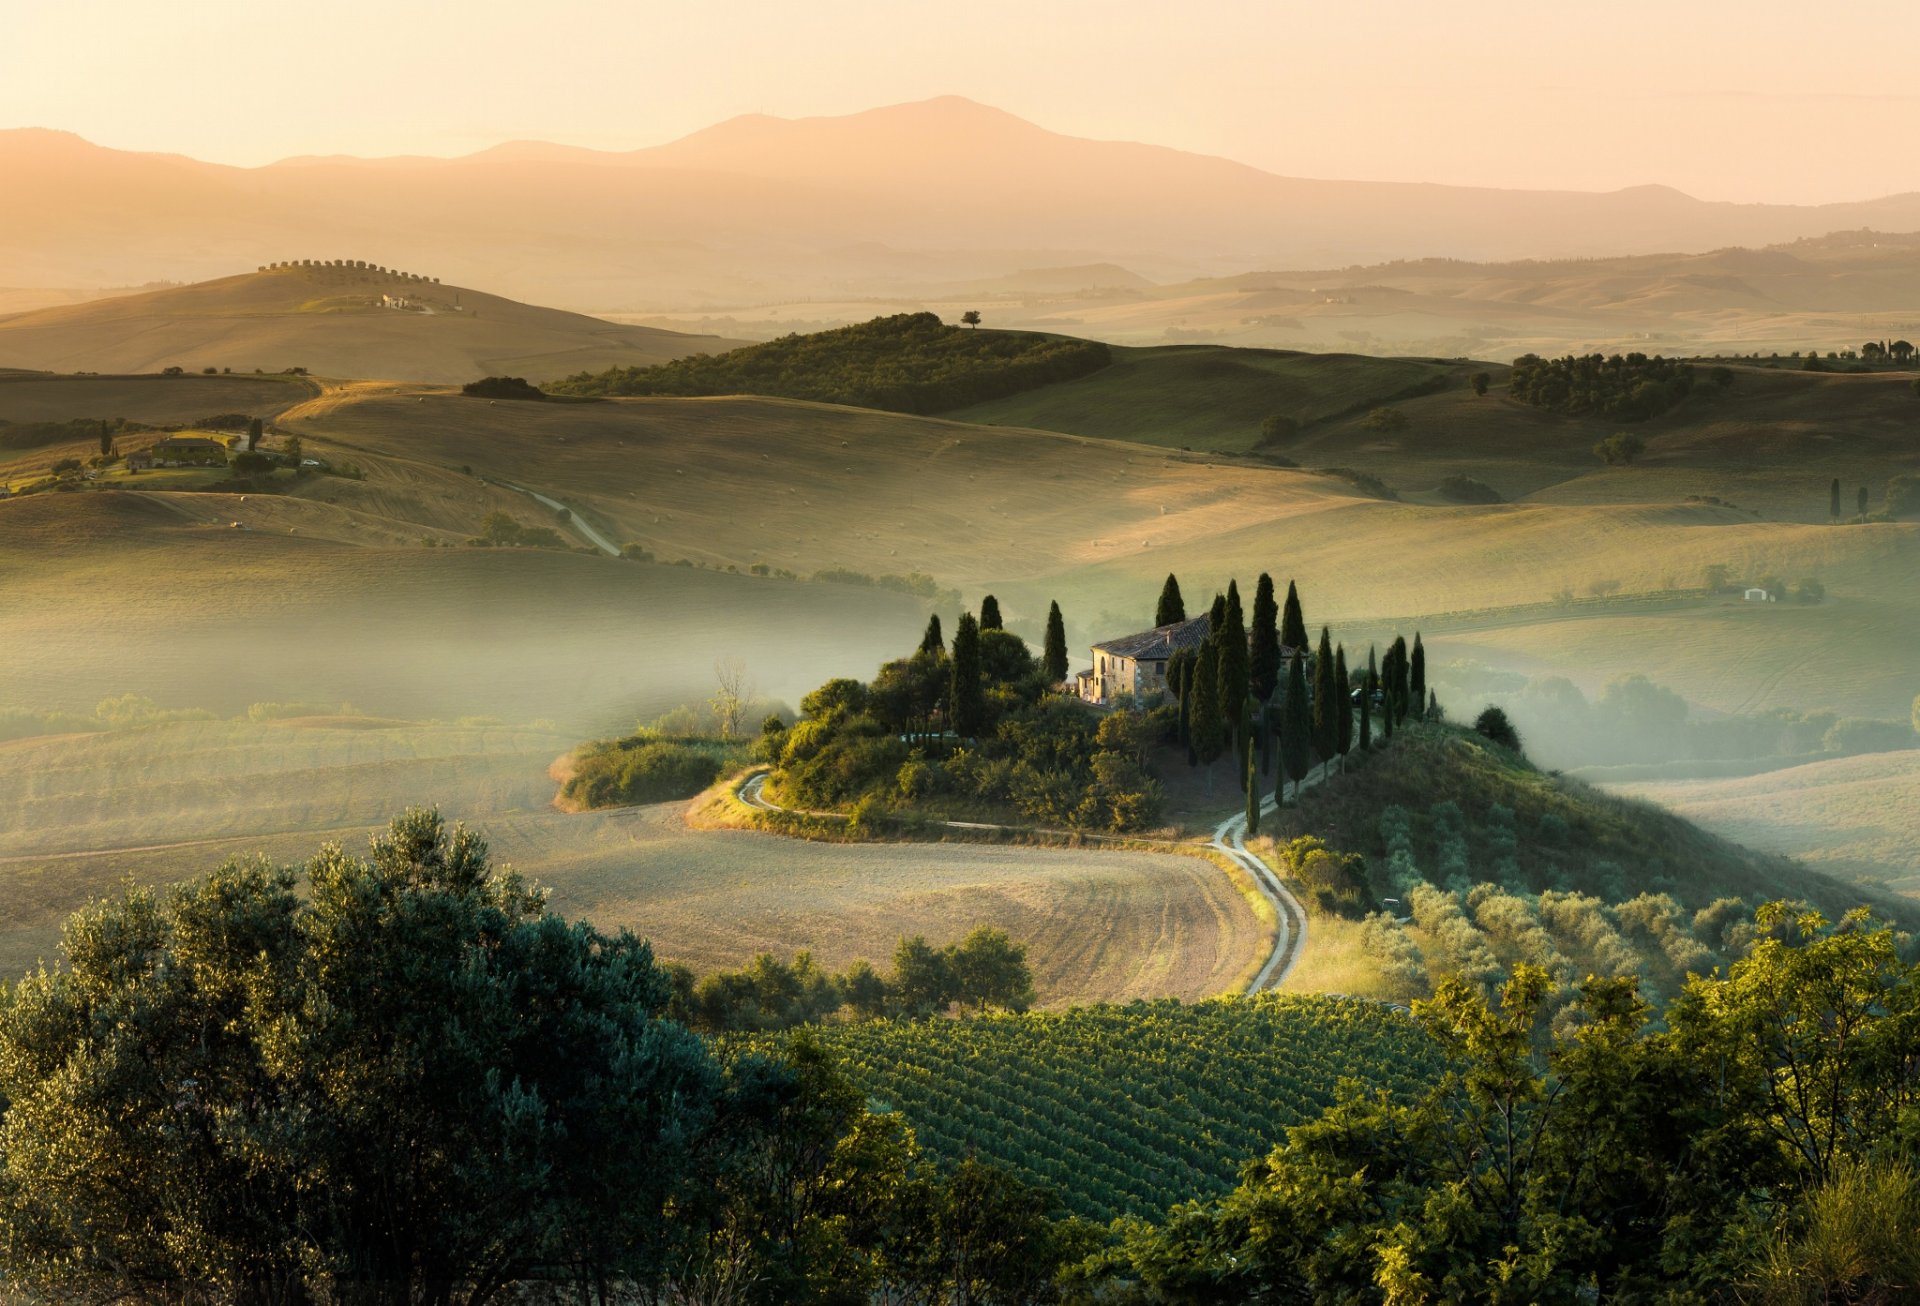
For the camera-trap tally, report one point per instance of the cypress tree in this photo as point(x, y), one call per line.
point(1343, 719)
point(1418, 678)
point(1217, 615)
point(1172, 609)
point(1863, 501)
point(1205, 728)
point(106, 440)
point(933, 641)
point(1387, 677)
point(1834, 500)
point(1397, 682)
point(1293, 627)
point(1296, 728)
point(1053, 655)
point(1233, 660)
point(966, 695)
point(1326, 732)
point(255, 429)
point(1433, 706)
point(1265, 718)
point(1366, 701)
point(1263, 658)
point(1251, 779)
point(990, 614)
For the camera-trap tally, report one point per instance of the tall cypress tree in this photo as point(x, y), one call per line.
point(1217, 614)
point(106, 439)
point(1387, 678)
point(1417, 679)
point(1366, 701)
point(1293, 627)
point(1402, 675)
point(1206, 729)
point(990, 614)
point(1326, 730)
point(1263, 658)
point(1265, 718)
point(1233, 661)
point(1296, 727)
point(968, 699)
point(1172, 609)
point(933, 641)
point(1251, 780)
point(1834, 497)
point(1343, 718)
point(255, 429)
point(1053, 654)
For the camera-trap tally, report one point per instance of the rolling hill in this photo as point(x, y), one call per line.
point(333, 321)
point(757, 208)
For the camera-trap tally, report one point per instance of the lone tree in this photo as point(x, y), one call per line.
point(990, 613)
point(966, 694)
point(1492, 724)
point(1833, 500)
point(1620, 449)
point(731, 694)
point(972, 318)
point(1481, 380)
point(255, 429)
point(106, 439)
point(932, 641)
point(1172, 609)
point(1263, 659)
point(1296, 730)
point(1053, 654)
point(1293, 626)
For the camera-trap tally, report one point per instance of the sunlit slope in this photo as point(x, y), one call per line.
point(133, 592)
point(1854, 817)
point(1034, 516)
point(332, 321)
point(1208, 397)
point(80, 814)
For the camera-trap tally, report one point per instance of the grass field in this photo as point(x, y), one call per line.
point(1206, 397)
point(1853, 817)
point(81, 814)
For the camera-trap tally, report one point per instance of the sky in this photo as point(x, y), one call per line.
point(1747, 100)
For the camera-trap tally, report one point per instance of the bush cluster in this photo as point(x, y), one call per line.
point(1628, 388)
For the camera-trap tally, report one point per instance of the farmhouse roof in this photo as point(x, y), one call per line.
point(1160, 642)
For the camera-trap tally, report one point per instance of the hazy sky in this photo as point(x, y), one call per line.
point(1742, 99)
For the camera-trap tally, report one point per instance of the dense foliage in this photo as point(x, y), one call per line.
point(908, 363)
point(645, 769)
point(1125, 1110)
point(984, 970)
point(980, 733)
point(411, 1084)
point(503, 387)
point(1628, 388)
point(503, 530)
point(1757, 1147)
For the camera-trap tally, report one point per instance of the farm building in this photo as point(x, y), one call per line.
point(1755, 594)
point(140, 460)
point(189, 451)
point(1137, 664)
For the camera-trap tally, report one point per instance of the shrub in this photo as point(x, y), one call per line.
point(1620, 449)
point(1465, 489)
point(1278, 429)
point(1386, 419)
point(1856, 734)
point(503, 387)
point(1492, 724)
point(649, 772)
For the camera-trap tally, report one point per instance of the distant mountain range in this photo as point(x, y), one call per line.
point(758, 210)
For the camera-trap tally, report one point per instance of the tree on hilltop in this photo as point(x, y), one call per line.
point(990, 613)
point(971, 318)
point(932, 641)
point(1481, 381)
point(1293, 626)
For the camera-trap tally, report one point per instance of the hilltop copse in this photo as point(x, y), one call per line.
point(907, 363)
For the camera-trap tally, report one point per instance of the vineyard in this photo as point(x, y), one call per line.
point(1126, 1110)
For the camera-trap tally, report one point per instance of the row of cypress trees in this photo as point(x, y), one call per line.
point(1231, 698)
point(966, 698)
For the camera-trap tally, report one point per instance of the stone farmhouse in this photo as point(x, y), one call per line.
point(1136, 665)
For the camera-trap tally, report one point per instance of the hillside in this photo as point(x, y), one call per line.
point(334, 321)
point(1125, 1111)
point(1856, 818)
point(1535, 830)
point(1208, 397)
point(847, 206)
point(907, 363)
